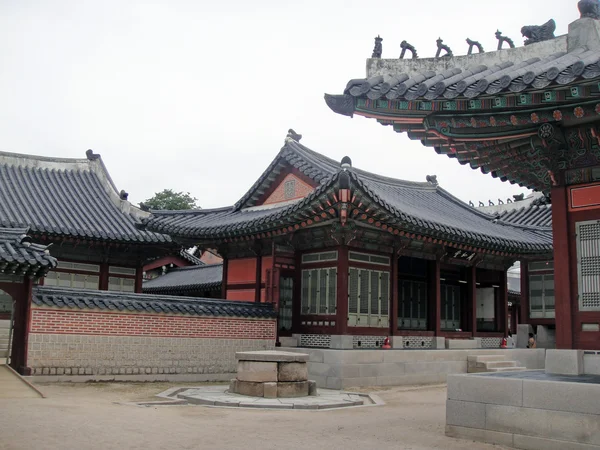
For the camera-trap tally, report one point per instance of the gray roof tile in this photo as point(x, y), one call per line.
point(67, 197)
point(118, 301)
point(18, 255)
point(418, 206)
point(186, 279)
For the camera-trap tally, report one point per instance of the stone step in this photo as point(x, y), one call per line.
point(507, 369)
point(499, 364)
point(4, 324)
point(4, 333)
point(3, 353)
point(289, 342)
point(486, 358)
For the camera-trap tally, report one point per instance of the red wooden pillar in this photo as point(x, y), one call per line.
point(472, 298)
point(504, 303)
point(562, 273)
point(258, 288)
point(342, 292)
point(139, 280)
point(22, 298)
point(524, 309)
point(394, 297)
point(297, 301)
point(224, 282)
point(435, 299)
point(103, 285)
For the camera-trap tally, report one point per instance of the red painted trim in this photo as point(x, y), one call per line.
point(342, 292)
point(435, 299)
point(258, 278)
point(103, 283)
point(456, 334)
point(524, 316)
point(224, 283)
point(562, 260)
point(139, 280)
point(414, 333)
point(366, 331)
point(472, 298)
point(167, 260)
point(394, 295)
point(584, 197)
point(277, 181)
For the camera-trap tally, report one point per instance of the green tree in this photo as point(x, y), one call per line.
point(171, 201)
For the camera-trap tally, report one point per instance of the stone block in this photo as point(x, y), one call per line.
point(558, 425)
point(250, 389)
point(270, 390)
point(546, 338)
point(571, 397)
point(462, 344)
point(292, 390)
point(287, 341)
point(485, 389)
point(438, 343)
point(591, 364)
point(293, 372)
point(536, 443)
point(465, 414)
point(564, 362)
point(257, 371)
point(341, 343)
point(312, 388)
point(491, 437)
point(271, 356)
point(355, 356)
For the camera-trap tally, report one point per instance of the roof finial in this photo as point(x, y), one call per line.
point(589, 9)
point(411, 48)
point(346, 162)
point(293, 136)
point(535, 33)
point(91, 155)
point(474, 44)
point(378, 50)
point(432, 179)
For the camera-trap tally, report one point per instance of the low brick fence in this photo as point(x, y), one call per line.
point(68, 340)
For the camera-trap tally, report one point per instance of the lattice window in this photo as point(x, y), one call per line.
point(319, 257)
point(319, 291)
point(588, 265)
point(450, 304)
point(368, 298)
point(412, 307)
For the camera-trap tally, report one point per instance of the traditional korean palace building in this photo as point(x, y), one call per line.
point(351, 257)
point(527, 115)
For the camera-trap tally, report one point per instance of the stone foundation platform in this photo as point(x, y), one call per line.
point(272, 374)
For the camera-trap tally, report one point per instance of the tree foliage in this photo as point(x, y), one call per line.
point(169, 200)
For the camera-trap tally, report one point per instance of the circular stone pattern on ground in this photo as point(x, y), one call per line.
point(220, 397)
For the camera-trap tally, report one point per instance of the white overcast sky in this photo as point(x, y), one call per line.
point(198, 95)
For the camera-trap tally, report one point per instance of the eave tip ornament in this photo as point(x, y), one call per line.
point(341, 104)
point(589, 9)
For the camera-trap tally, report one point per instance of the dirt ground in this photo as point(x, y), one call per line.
point(93, 416)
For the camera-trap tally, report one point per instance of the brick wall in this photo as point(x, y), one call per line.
point(75, 342)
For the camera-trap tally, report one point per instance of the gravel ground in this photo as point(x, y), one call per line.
point(93, 416)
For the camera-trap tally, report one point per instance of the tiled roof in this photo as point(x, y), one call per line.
point(423, 207)
point(143, 303)
point(190, 258)
point(18, 255)
point(186, 279)
point(481, 79)
point(68, 197)
point(534, 216)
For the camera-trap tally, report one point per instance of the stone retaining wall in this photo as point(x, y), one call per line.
point(524, 413)
point(341, 369)
point(93, 344)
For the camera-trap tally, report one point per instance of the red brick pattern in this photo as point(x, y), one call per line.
point(278, 196)
point(54, 321)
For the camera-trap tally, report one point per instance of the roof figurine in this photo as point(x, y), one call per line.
point(405, 46)
point(535, 33)
point(441, 47)
point(474, 44)
point(589, 9)
point(432, 179)
point(378, 50)
point(293, 135)
point(504, 39)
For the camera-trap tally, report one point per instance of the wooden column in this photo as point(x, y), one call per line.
point(342, 292)
point(562, 273)
point(224, 282)
point(297, 301)
point(524, 309)
point(394, 297)
point(504, 303)
point(435, 299)
point(22, 298)
point(472, 298)
point(103, 285)
point(139, 280)
point(258, 288)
